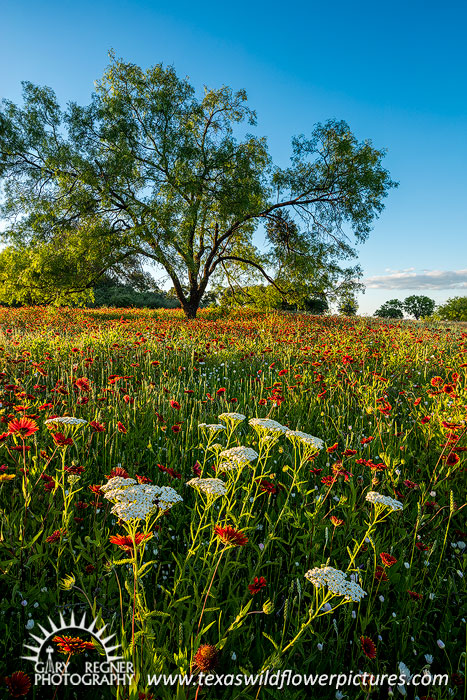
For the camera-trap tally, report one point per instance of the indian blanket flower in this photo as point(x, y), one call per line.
point(55, 536)
point(61, 440)
point(387, 559)
point(72, 645)
point(127, 543)
point(336, 582)
point(206, 658)
point(378, 499)
point(18, 684)
point(230, 536)
point(336, 521)
point(257, 585)
point(23, 427)
point(368, 647)
point(211, 487)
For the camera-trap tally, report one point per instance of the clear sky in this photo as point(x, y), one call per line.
point(396, 72)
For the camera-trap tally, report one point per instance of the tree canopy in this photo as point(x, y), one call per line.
point(419, 306)
point(454, 309)
point(151, 172)
point(393, 308)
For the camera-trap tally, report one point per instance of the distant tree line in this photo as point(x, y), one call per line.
point(420, 306)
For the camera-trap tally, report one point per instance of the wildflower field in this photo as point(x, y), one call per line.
point(233, 496)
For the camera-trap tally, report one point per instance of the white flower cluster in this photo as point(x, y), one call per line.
point(305, 438)
point(212, 487)
point(212, 427)
point(133, 501)
point(237, 457)
point(234, 417)
point(336, 582)
point(378, 498)
point(267, 425)
point(67, 420)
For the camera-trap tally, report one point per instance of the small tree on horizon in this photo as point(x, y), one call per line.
point(419, 306)
point(393, 308)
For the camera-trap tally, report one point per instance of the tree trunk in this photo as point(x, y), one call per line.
point(190, 309)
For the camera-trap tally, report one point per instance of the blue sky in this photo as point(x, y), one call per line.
point(396, 72)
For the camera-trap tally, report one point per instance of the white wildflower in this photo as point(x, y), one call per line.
point(305, 439)
point(267, 425)
point(232, 417)
point(238, 455)
point(379, 499)
point(336, 582)
point(66, 420)
point(212, 487)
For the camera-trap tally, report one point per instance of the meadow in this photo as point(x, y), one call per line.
point(234, 495)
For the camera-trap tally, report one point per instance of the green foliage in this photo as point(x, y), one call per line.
point(419, 306)
point(455, 309)
point(148, 171)
point(393, 308)
point(348, 306)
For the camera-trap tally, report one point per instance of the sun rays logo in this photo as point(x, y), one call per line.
point(48, 671)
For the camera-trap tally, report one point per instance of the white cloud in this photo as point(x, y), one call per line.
point(428, 279)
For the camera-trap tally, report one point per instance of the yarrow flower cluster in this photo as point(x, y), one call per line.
point(233, 417)
point(212, 487)
point(305, 439)
point(66, 420)
point(135, 501)
point(379, 499)
point(212, 427)
point(336, 582)
point(237, 457)
point(267, 425)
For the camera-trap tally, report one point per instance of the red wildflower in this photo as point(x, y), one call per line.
point(55, 536)
point(381, 575)
point(95, 488)
point(328, 480)
point(422, 547)
point(425, 419)
point(436, 381)
point(415, 596)
point(72, 645)
point(206, 658)
point(175, 405)
point(126, 542)
point(24, 427)
point(118, 471)
point(410, 484)
point(18, 684)
point(61, 441)
point(452, 459)
point(171, 472)
point(97, 427)
point(74, 469)
point(257, 585)
point(368, 647)
point(83, 384)
point(230, 536)
point(349, 453)
point(333, 448)
point(365, 441)
point(387, 559)
point(121, 428)
point(336, 521)
point(221, 391)
point(141, 479)
point(197, 469)
point(176, 428)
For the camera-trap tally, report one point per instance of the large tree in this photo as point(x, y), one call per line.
point(148, 171)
